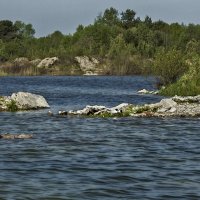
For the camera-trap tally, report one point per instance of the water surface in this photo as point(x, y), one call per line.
point(94, 158)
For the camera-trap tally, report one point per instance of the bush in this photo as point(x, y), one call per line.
point(169, 66)
point(188, 84)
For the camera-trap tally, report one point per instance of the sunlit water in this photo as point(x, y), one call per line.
point(93, 158)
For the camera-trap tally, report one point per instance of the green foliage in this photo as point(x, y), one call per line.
point(128, 18)
point(24, 30)
point(121, 57)
point(189, 83)
point(12, 106)
point(169, 66)
point(8, 30)
point(2, 51)
point(110, 17)
point(122, 41)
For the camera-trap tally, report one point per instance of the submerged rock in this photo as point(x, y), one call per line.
point(16, 136)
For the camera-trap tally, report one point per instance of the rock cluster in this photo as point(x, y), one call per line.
point(22, 101)
point(46, 62)
point(98, 110)
point(174, 107)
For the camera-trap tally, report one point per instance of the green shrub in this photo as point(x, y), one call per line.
point(12, 106)
point(188, 84)
point(169, 66)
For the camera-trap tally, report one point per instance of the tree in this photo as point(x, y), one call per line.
point(128, 18)
point(25, 30)
point(8, 31)
point(148, 21)
point(110, 17)
point(169, 66)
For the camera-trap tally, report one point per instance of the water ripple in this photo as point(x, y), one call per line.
point(80, 158)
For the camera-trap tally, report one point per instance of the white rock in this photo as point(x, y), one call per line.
point(25, 100)
point(143, 91)
point(118, 109)
point(90, 66)
point(168, 103)
point(48, 62)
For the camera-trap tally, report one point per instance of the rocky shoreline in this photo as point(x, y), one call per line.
point(79, 65)
point(170, 107)
point(175, 106)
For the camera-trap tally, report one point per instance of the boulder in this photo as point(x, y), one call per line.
point(48, 62)
point(167, 105)
point(28, 101)
point(89, 66)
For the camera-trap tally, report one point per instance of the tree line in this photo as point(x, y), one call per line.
point(124, 41)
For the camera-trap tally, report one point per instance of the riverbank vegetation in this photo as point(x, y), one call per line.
point(123, 43)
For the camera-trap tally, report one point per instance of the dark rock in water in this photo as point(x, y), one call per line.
point(63, 113)
point(16, 136)
point(50, 113)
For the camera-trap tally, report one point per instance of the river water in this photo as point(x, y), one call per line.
point(93, 158)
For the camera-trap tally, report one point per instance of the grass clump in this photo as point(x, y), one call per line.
point(12, 106)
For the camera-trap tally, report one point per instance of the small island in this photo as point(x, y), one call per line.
point(169, 107)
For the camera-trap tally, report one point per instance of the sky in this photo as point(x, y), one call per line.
point(47, 16)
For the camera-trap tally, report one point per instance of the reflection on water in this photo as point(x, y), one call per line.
point(91, 158)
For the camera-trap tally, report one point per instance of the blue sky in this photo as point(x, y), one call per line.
point(48, 16)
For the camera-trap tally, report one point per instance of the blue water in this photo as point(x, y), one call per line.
point(94, 158)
